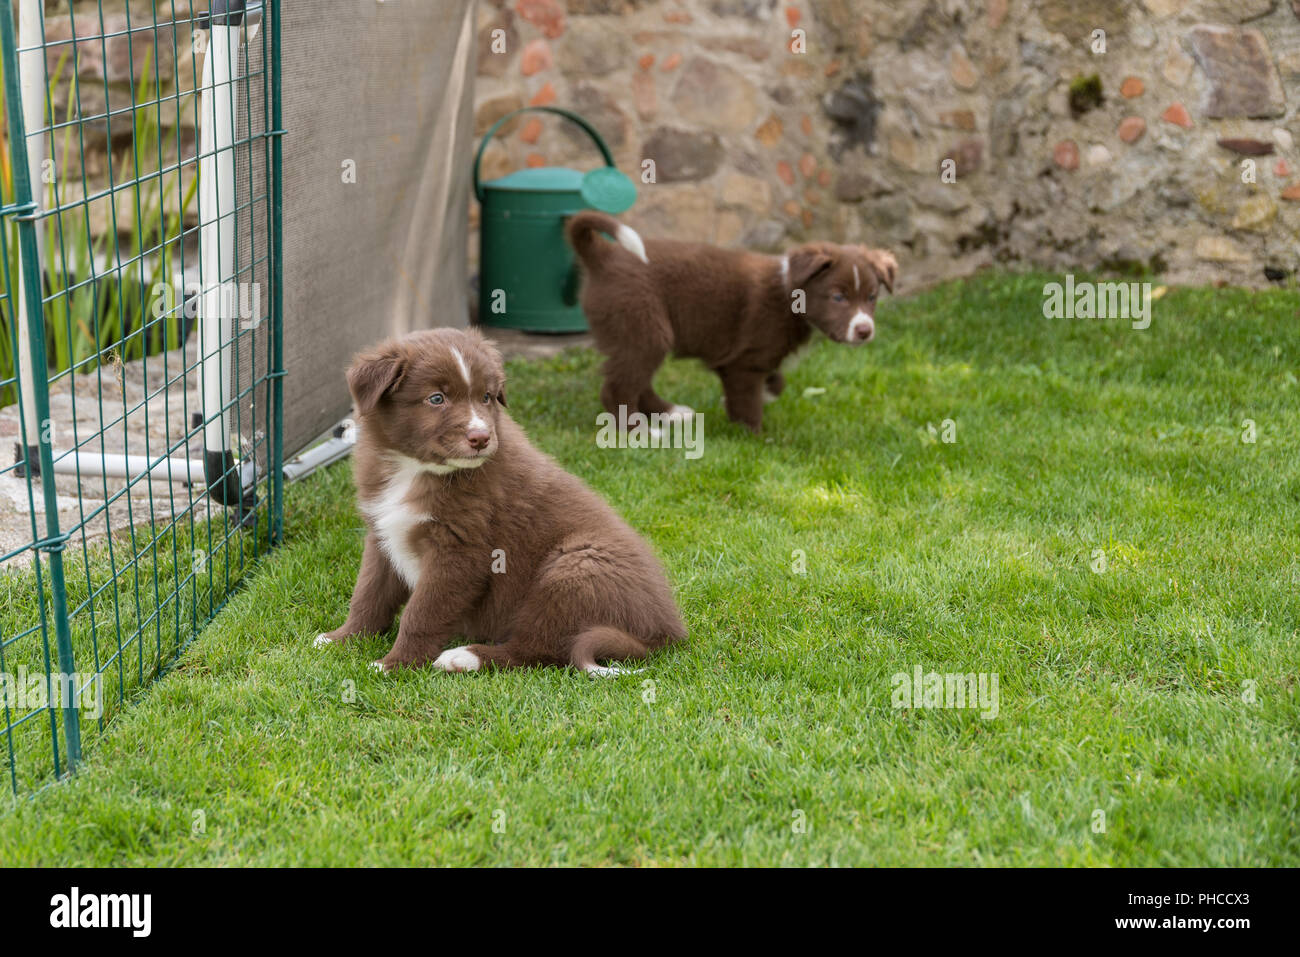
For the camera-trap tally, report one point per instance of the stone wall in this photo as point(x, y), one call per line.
point(1098, 134)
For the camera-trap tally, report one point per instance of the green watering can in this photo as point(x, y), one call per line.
point(527, 277)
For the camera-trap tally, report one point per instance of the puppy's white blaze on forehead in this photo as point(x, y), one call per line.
point(394, 519)
point(458, 659)
point(630, 240)
point(476, 422)
point(785, 268)
point(859, 320)
point(460, 361)
point(857, 279)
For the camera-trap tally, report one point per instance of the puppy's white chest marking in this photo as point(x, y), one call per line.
point(394, 518)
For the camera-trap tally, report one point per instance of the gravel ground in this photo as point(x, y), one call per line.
point(123, 388)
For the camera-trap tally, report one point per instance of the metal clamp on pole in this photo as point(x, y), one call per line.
point(224, 13)
point(21, 212)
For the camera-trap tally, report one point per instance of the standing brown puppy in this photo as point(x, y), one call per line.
point(741, 313)
point(478, 533)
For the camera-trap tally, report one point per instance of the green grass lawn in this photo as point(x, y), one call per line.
point(1159, 690)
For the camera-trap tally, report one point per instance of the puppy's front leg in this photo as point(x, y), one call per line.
point(743, 391)
point(376, 597)
point(445, 591)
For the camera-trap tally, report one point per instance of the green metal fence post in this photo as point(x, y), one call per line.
point(34, 316)
point(277, 289)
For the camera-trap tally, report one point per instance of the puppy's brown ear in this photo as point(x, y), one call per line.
point(806, 263)
point(885, 265)
point(501, 394)
point(372, 376)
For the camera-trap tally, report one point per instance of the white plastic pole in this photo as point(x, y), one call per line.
point(31, 80)
point(180, 470)
point(217, 236)
point(174, 469)
point(216, 226)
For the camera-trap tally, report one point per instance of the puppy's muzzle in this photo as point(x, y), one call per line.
point(862, 328)
point(478, 438)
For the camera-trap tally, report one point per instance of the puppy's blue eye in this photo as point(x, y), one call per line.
point(839, 297)
point(436, 399)
point(487, 397)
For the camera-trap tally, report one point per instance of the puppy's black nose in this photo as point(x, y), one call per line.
point(478, 438)
point(865, 332)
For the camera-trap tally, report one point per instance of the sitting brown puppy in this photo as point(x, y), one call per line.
point(742, 313)
point(478, 533)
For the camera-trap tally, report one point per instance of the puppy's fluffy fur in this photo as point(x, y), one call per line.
point(478, 533)
point(737, 311)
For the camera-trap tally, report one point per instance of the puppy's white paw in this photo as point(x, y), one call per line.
point(679, 413)
point(378, 666)
point(458, 659)
point(611, 671)
point(322, 640)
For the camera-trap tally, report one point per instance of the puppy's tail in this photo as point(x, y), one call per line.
point(605, 642)
point(591, 249)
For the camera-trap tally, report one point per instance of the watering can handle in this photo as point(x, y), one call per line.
point(590, 131)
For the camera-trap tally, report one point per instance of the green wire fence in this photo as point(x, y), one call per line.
point(141, 348)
